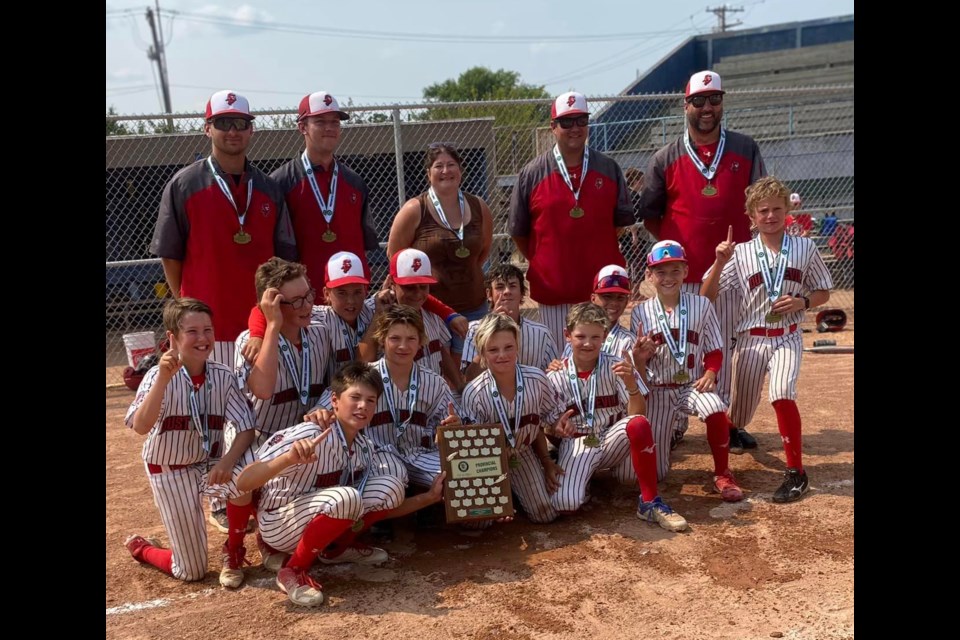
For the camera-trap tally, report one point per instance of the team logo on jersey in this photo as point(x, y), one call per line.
point(265, 209)
point(328, 99)
point(277, 439)
point(735, 167)
point(599, 183)
point(417, 263)
point(346, 265)
point(707, 79)
point(571, 100)
point(231, 98)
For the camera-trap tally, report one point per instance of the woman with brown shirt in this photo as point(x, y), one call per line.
point(454, 229)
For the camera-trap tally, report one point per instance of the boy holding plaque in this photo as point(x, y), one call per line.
point(606, 429)
point(776, 277)
point(682, 331)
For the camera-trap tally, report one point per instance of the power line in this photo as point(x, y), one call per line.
point(411, 37)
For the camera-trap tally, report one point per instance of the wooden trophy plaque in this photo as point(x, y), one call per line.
point(475, 458)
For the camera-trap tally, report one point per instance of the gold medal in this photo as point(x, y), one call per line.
point(514, 461)
point(241, 237)
point(576, 212)
point(681, 377)
point(329, 236)
point(357, 526)
point(591, 441)
point(709, 190)
point(773, 318)
point(462, 252)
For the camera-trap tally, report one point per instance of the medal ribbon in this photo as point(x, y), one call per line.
point(588, 416)
point(509, 429)
point(566, 174)
point(773, 282)
point(326, 206)
point(677, 350)
point(708, 172)
point(351, 336)
point(202, 427)
point(346, 478)
point(611, 338)
point(443, 217)
point(413, 390)
point(226, 191)
point(286, 350)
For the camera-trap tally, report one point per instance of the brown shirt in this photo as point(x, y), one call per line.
point(460, 280)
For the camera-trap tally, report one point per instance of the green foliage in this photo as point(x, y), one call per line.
point(115, 128)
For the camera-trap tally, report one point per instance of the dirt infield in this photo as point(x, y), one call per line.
point(744, 571)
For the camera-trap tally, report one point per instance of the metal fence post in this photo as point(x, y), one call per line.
point(398, 151)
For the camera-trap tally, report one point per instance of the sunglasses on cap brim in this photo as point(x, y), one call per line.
point(615, 280)
point(668, 252)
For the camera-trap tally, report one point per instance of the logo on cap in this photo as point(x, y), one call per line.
point(571, 100)
point(417, 263)
point(231, 98)
point(346, 266)
point(328, 99)
point(706, 79)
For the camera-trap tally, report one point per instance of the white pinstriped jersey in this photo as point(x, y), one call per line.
point(623, 338)
point(612, 396)
point(537, 347)
point(805, 272)
point(541, 404)
point(284, 408)
point(325, 471)
point(433, 396)
point(703, 336)
point(175, 438)
point(343, 338)
point(438, 336)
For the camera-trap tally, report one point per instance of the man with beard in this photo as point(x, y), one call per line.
point(693, 192)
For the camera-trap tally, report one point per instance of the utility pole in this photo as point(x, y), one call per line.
point(721, 13)
point(156, 54)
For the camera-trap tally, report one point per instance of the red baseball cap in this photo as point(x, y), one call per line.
point(571, 103)
point(612, 279)
point(411, 266)
point(319, 103)
point(344, 268)
point(228, 103)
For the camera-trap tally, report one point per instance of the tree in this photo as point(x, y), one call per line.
point(514, 122)
point(115, 128)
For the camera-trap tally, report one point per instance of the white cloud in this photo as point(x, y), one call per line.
point(244, 14)
point(126, 75)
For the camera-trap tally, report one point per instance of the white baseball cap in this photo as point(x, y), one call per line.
point(612, 279)
point(666, 251)
point(228, 103)
point(411, 266)
point(343, 268)
point(569, 104)
point(795, 199)
point(704, 82)
point(319, 103)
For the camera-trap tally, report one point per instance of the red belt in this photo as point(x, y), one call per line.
point(157, 468)
point(772, 333)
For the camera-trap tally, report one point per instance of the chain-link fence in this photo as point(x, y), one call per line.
point(805, 136)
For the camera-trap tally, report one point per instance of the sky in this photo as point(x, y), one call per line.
point(376, 52)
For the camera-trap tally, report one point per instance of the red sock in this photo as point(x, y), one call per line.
point(341, 544)
point(321, 531)
point(788, 421)
point(160, 558)
point(644, 456)
point(237, 518)
point(718, 435)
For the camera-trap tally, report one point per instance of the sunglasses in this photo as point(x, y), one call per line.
point(225, 124)
point(662, 253)
point(297, 303)
point(699, 101)
point(567, 123)
point(615, 280)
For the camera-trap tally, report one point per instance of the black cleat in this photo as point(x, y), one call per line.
point(736, 444)
point(749, 442)
point(795, 484)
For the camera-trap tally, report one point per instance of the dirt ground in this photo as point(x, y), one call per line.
point(743, 571)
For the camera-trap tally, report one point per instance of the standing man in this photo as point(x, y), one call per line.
point(219, 219)
point(328, 202)
point(694, 191)
point(565, 213)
